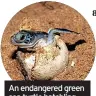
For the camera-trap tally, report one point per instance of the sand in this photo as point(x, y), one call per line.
point(42, 16)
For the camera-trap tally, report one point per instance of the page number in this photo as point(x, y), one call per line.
point(94, 13)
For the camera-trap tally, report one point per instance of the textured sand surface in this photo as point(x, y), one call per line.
point(41, 17)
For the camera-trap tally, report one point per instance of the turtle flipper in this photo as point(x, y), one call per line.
point(61, 30)
point(56, 31)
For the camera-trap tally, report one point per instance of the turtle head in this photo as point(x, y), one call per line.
point(23, 39)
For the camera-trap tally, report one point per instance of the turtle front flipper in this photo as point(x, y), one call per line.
point(55, 31)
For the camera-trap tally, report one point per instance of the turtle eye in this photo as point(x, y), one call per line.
point(20, 37)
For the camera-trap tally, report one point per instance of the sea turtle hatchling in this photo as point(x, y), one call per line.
point(50, 61)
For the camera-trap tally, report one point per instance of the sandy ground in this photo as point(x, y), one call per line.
point(41, 17)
